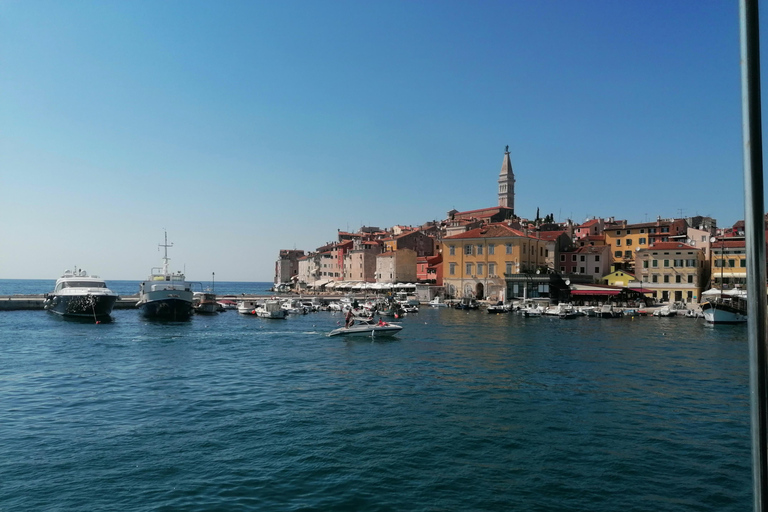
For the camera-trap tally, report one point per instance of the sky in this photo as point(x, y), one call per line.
point(246, 127)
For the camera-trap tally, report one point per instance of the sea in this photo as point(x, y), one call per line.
point(462, 411)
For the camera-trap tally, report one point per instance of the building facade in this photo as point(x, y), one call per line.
point(672, 270)
point(476, 262)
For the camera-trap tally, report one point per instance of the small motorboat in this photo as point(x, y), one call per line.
point(368, 328)
point(499, 307)
point(437, 303)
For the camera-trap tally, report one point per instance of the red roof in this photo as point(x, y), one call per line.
point(490, 231)
point(589, 223)
point(550, 235)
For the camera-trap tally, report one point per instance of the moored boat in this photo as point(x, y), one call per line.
point(728, 308)
point(205, 303)
point(166, 295)
point(76, 294)
point(271, 309)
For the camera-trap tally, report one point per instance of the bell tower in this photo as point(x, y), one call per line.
point(507, 183)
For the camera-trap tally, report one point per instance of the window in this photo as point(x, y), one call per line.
point(597, 258)
point(573, 257)
point(452, 250)
point(508, 248)
point(628, 254)
point(629, 231)
point(743, 263)
point(666, 263)
point(618, 232)
point(678, 278)
point(597, 270)
point(508, 268)
point(641, 241)
point(452, 269)
point(582, 270)
point(562, 257)
point(690, 278)
point(479, 250)
point(617, 254)
point(666, 279)
point(618, 243)
point(582, 258)
point(731, 263)
point(629, 242)
point(492, 269)
point(469, 269)
point(491, 248)
point(467, 249)
point(718, 263)
point(642, 230)
point(562, 269)
point(655, 278)
point(480, 267)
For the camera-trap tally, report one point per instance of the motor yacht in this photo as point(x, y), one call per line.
point(368, 328)
point(77, 294)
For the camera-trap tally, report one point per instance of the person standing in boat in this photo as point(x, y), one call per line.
point(348, 319)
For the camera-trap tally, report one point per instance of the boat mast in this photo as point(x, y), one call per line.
point(166, 259)
point(755, 245)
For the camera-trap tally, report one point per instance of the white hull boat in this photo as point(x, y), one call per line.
point(371, 329)
point(271, 309)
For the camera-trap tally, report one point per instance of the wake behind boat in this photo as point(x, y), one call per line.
point(368, 328)
point(166, 295)
point(77, 294)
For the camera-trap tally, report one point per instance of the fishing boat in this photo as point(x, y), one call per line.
point(205, 303)
point(499, 307)
point(76, 294)
point(166, 295)
point(368, 328)
point(729, 307)
point(246, 307)
point(271, 309)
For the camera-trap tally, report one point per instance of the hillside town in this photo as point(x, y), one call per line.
point(493, 254)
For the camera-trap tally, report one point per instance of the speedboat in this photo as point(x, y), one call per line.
point(77, 294)
point(499, 307)
point(368, 328)
point(166, 295)
point(437, 303)
point(467, 303)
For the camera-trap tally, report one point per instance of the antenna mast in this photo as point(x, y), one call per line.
point(165, 246)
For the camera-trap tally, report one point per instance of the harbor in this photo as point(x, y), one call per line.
point(462, 411)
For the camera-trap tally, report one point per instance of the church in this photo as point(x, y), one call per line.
point(506, 208)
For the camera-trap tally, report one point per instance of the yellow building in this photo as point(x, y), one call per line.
point(619, 278)
point(476, 262)
point(626, 239)
point(728, 264)
point(672, 270)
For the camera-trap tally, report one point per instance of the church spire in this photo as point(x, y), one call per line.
point(507, 182)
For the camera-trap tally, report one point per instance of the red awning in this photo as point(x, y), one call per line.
point(595, 292)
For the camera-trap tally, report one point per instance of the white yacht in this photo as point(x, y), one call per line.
point(77, 294)
point(729, 307)
point(166, 295)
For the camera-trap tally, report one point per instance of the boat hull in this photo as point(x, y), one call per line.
point(367, 330)
point(83, 306)
point(723, 313)
point(170, 308)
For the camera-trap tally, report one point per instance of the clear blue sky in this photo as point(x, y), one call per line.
point(248, 127)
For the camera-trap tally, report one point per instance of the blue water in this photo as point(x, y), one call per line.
point(462, 411)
